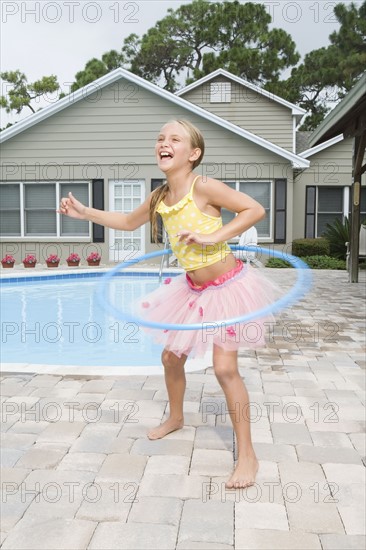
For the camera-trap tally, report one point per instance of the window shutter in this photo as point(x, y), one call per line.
point(280, 210)
point(310, 205)
point(98, 202)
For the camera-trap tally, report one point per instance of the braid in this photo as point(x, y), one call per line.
point(157, 196)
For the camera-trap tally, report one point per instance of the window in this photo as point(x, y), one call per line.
point(261, 191)
point(327, 204)
point(39, 209)
point(330, 207)
point(29, 210)
point(220, 92)
point(10, 210)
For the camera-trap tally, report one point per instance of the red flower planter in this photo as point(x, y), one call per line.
point(7, 265)
point(52, 264)
point(26, 264)
point(73, 264)
point(92, 264)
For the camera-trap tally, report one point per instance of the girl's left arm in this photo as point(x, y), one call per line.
point(218, 194)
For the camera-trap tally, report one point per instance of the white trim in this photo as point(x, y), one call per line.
point(346, 201)
point(310, 152)
point(106, 80)
point(118, 255)
point(35, 240)
point(221, 72)
point(58, 218)
point(22, 217)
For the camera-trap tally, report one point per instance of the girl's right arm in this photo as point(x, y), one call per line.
point(115, 220)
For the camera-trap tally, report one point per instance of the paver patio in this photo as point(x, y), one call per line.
point(71, 481)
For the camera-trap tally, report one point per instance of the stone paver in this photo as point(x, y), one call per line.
point(180, 486)
point(314, 517)
point(122, 536)
point(219, 437)
point(147, 447)
point(261, 515)
point(322, 455)
point(210, 521)
point(79, 473)
point(165, 511)
point(54, 534)
point(343, 542)
point(14, 503)
point(165, 464)
point(353, 518)
point(106, 501)
point(96, 438)
point(125, 467)
point(189, 545)
point(292, 434)
point(211, 462)
point(41, 456)
point(268, 539)
point(90, 462)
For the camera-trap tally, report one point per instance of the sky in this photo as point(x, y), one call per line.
point(59, 36)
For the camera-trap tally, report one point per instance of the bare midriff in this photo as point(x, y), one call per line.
point(205, 274)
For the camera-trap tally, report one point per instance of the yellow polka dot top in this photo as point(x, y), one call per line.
point(186, 215)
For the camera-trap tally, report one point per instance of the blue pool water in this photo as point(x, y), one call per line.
point(60, 322)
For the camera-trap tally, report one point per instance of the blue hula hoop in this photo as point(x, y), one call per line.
point(299, 289)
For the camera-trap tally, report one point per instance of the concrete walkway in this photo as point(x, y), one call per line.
point(79, 473)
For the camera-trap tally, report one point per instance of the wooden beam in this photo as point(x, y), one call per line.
point(359, 154)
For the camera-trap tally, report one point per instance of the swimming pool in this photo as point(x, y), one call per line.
point(60, 322)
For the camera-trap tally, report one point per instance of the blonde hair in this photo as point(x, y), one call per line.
point(197, 142)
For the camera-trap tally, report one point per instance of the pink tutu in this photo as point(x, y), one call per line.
point(236, 293)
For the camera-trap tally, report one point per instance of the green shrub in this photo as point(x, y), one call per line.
point(324, 262)
point(277, 262)
point(314, 262)
point(310, 247)
point(337, 234)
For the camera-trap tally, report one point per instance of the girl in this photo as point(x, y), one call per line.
point(216, 286)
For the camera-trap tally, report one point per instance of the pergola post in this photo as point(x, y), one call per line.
point(358, 154)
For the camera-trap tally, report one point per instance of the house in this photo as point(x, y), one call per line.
point(98, 142)
point(349, 119)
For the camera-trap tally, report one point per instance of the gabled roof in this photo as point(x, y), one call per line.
point(342, 119)
point(119, 73)
point(295, 110)
point(320, 147)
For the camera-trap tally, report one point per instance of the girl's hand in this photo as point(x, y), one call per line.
point(69, 206)
point(189, 237)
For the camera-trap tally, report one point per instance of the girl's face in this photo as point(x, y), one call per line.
point(173, 148)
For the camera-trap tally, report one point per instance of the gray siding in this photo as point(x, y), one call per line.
point(249, 110)
point(331, 167)
point(108, 131)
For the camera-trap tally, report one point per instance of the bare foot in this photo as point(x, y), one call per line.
point(170, 425)
point(244, 473)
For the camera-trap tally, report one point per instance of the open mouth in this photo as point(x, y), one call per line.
point(165, 155)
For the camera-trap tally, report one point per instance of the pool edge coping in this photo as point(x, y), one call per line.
point(192, 365)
